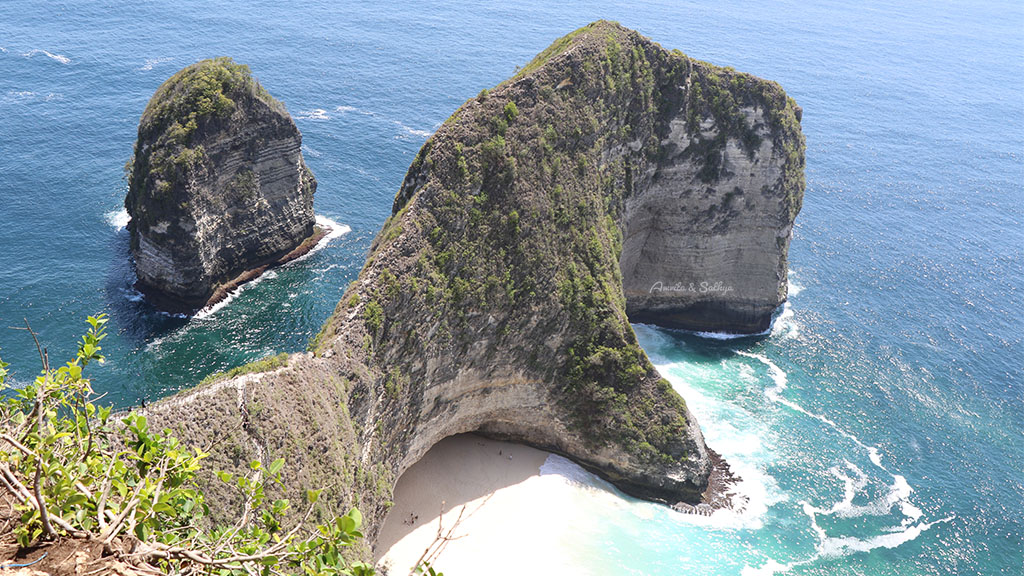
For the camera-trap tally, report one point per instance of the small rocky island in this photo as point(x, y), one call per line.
point(531, 228)
point(218, 189)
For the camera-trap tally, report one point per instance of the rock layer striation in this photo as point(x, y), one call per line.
point(218, 186)
point(496, 298)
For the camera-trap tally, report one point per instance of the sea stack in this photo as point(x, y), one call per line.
point(497, 297)
point(218, 189)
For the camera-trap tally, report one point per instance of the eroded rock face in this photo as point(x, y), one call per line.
point(707, 230)
point(218, 185)
point(495, 298)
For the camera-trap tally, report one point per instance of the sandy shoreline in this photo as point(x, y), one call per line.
point(459, 470)
point(523, 508)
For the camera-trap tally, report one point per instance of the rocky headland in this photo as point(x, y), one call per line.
point(218, 189)
point(528, 233)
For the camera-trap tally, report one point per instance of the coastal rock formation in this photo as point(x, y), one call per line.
point(218, 187)
point(495, 298)
point(710, 217)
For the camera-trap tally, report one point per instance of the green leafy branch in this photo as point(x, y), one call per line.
point(73, 472)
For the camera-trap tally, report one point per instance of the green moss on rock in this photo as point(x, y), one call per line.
point(189, 104)
point(262, 365)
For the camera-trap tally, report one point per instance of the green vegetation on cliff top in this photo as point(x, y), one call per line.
point(521, 211)
point(199, 96)
point(262, 365)
point(523, 217)
point(206, 89)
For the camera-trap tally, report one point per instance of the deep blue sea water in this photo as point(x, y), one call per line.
point(879, 429)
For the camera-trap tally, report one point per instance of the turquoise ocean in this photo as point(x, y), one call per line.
point(879, 428)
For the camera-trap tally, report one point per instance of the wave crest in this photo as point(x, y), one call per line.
point(57, 57)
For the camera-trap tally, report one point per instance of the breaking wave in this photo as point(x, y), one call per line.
point(117, 218)
point(337, 230)
point(57, 57)
point(151, 62)
point(314, 114)
point(855, 482)
point(407, 132)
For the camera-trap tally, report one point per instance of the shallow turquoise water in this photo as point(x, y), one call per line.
point(904, 342)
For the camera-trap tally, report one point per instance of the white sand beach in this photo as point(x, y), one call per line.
point(509, 507)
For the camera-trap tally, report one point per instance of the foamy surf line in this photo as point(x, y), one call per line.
point(898, 495)
point(57, 57)
point(405, 132)
point(755, 489)
point(211, 310)
point(314, 114)
point(783, 325)
point(728, 335)
point(740, 445)
point(337, 230)
point(781, 380)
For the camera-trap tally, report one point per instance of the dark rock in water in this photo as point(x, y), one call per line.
point(218, 187)
point(495, 298)
point(684, 508)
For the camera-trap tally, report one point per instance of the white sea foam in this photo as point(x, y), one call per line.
point(211, 310)
point(726, 335)
point(709, 335)
point(132, 295)
point(310, 151)
point(561, 466)
point(830, 547)
point(875, 456)
point(599, 493)
point(27, 95)
point(155, 344)
point(785, 326)
point(406, 131)
point(851, 485)
point(898, 494)
point(794, 288)
point(117, 218)
point(58, 57)
point(314, 114)
point(19, 95)
point(769, 568)
point(151, 62)
point(734, 433)
point(781, 379)
point(337, 230)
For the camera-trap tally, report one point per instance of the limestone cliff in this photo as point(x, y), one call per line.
point(495, 298)
point(217, 186)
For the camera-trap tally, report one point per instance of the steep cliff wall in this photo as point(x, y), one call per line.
point(218, 185)
point(493, 299)
point(708, 225)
